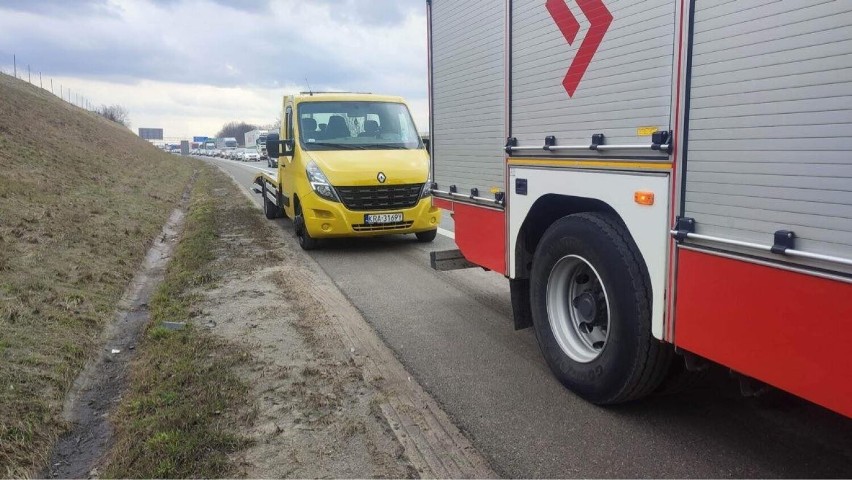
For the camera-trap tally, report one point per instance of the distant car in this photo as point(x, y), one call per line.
point(251, 156)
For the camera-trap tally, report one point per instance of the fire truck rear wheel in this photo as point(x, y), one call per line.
point(591, 308)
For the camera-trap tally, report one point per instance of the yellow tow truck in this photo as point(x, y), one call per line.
point(348, 165)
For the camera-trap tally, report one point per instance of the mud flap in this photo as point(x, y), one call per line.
point(519, 289)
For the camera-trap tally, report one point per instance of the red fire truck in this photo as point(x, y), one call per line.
point(660, 180)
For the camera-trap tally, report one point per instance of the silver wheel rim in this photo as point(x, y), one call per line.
point(578, 308)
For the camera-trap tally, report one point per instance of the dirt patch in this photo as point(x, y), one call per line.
point(99, 387)
point(333, 399)
point(316, 415)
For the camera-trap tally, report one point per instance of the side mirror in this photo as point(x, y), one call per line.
point(273, 148)
point(428, 144)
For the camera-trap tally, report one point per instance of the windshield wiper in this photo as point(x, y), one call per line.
point(384, 146)
point(338, 145)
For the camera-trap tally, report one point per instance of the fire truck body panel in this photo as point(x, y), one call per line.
point(770, 116)
point(767, 144)
point(468, 42)
point(625, 92)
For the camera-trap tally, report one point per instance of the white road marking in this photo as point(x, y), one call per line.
point(446, 233)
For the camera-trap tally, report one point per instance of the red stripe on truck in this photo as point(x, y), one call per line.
point(480, 233)
point(788, 329)
point(441, 203)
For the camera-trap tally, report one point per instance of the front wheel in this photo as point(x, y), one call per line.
point(591, 306)
point(306, 241)
point(427, 236)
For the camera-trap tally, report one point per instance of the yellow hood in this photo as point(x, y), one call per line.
point(350, 168)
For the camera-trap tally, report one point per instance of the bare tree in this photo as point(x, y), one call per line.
point(236, 130)
point(116, 113)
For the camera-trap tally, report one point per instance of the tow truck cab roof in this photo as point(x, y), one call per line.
point(343, 97)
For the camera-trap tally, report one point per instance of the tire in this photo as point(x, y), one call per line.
point(302, 235)
point(270, 210)
point(427, 236)
point(591, 309)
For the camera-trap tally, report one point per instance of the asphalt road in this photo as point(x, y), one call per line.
point(453, 331)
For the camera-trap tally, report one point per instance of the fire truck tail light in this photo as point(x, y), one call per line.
point(643, 198)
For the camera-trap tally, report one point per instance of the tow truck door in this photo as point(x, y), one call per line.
point(287, 163)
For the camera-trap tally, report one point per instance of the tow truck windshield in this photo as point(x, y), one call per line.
point(356, 126)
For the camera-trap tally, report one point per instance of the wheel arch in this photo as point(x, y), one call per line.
point(554, 193)
point(544, 212)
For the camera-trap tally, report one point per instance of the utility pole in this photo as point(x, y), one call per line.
point(51, 87)
point(40, 85)
point(15, 65)
point(29, 75)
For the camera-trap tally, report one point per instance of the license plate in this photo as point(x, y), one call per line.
point(379, 218)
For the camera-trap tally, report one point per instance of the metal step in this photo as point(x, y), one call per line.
point(449, 260)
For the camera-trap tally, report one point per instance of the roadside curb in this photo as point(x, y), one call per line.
point(435, 447)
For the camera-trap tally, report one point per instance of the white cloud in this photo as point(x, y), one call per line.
point(192, 65)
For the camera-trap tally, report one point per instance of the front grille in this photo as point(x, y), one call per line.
point(382, 197)
point(382, 227)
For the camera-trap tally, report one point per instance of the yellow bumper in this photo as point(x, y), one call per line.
point(325, 219)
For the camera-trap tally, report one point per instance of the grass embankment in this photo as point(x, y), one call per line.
point(175, 420)
point(80, 200)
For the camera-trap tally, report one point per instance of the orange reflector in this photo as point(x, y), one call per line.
point(643, 198)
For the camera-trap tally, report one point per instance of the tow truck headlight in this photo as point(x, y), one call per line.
point(320, 183)
point(427, 187)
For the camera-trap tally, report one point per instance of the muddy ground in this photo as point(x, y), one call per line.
point(317, 416)
point(97, 390)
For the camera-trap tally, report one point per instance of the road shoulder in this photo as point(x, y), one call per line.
point(432, 443)
point(326, 396)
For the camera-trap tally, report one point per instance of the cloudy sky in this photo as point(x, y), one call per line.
point(189, 66)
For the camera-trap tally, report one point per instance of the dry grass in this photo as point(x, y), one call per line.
point(177, 418)
point(80, 200)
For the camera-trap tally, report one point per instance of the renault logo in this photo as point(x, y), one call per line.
point(381, 177)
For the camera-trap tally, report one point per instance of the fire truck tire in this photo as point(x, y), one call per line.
point(591, 309)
